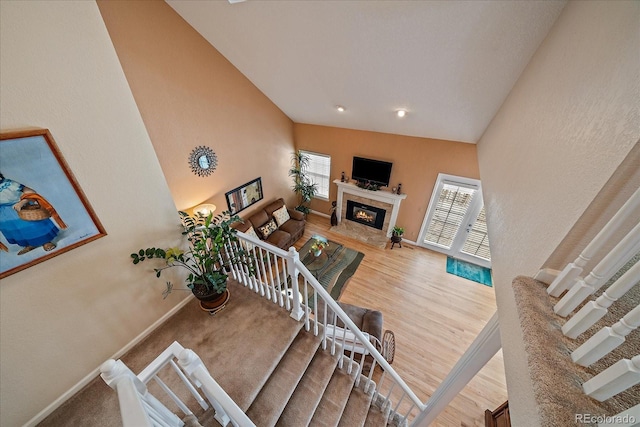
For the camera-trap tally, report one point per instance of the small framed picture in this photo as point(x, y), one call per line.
point(43, 211)
point(244, 196)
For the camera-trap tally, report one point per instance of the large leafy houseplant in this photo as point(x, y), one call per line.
point(207, 260)
point(303, 186)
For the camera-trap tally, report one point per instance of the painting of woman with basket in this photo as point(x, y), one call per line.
point(37, 190)
point(26, 218)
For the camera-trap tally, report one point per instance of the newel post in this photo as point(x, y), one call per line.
point(292, 261)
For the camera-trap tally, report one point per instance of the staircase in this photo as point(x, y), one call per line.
point(295, 382)
point(266, 359)
point(308, 387)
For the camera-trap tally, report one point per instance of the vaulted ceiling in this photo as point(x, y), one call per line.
point(449, 64)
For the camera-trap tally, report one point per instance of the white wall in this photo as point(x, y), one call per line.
point(60, 319)
point(569, 121)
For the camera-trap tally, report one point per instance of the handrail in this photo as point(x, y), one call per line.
point(625, 372)
point(226, 408)
point(296, 266)
point(137, 405)
point(358, 333)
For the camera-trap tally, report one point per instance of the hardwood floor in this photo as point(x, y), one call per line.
point(434, 315)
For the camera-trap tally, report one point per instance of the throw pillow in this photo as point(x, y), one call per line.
point(267, 229)
point(250, 232)
point(281, 215)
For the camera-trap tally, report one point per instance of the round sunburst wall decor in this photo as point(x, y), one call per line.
point(203, 161)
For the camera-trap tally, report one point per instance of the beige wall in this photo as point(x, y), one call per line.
point(59, 320)
point(416, 164)
point(190, 95)
point(567, 124)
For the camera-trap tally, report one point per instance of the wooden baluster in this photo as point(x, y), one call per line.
point(306, 298)
point(137, 406)
point(226, 409)
point(285, 282)
point(616, 378)
point(263, 272)
point(606, 339)
point(567, 277)
point(279, 282)
point(593, 311)
point(611, 263)
point(292, 260)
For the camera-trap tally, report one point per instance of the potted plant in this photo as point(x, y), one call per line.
point(398, 231)
point(303, 186)
point(319, 243)
point(396, 236)
point(207, 259)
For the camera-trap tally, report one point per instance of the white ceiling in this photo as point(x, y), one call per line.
point(451, 64)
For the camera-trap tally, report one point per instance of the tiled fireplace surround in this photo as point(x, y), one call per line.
point(380, 199)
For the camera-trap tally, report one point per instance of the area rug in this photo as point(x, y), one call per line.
point(469, 271)
point(339, 270)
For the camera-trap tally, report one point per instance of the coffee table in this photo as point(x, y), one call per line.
point(317, 265)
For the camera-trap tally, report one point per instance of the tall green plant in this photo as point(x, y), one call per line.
point(207, 260)
point(303, 186)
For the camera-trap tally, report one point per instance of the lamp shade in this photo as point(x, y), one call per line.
point(204, 209)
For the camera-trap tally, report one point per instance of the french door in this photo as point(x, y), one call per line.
point(455, 223)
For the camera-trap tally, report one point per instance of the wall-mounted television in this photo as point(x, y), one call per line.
point(375, 171)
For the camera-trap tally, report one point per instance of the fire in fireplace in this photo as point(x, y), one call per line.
point(365, 214)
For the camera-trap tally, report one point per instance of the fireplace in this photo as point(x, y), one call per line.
point(365, 214)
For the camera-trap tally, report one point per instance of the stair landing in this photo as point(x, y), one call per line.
point(242, 346)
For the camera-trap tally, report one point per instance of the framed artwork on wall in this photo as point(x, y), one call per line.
point(43, 211)
point(244, 196)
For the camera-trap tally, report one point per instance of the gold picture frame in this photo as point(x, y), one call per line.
point(43, 210)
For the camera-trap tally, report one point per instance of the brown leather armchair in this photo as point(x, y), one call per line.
point(370, 322)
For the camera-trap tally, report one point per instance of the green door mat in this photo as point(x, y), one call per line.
point(469, 271)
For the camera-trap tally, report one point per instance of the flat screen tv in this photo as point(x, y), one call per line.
point(375, 171)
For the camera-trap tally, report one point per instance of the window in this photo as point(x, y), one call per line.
point(319, 171)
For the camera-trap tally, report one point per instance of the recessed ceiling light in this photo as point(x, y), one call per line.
point(401, 113)
point(340, 108)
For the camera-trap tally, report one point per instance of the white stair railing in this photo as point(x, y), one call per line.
point(139, 408)
point(601, 273)
point(616, 378)
point(624, 373)
point(593, 311)
point(284, 280)
point(566, 279)
point(606, 339)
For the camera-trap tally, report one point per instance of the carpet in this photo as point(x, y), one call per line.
point(469, 271)
point(341, 267)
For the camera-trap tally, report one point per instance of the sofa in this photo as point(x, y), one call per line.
point(276, 224)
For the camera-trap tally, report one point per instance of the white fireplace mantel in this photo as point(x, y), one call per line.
point(380, 195)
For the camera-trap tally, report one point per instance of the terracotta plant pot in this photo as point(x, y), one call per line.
point(213, 300)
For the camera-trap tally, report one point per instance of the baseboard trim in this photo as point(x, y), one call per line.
point(93, 374)
point(320, 213)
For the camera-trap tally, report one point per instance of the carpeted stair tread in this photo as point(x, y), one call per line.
point(233, 363)
point(355, 412)
point(334, 399)
point(272, 399)
point(556, 380)
point(376, 417)
point(308, 393)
